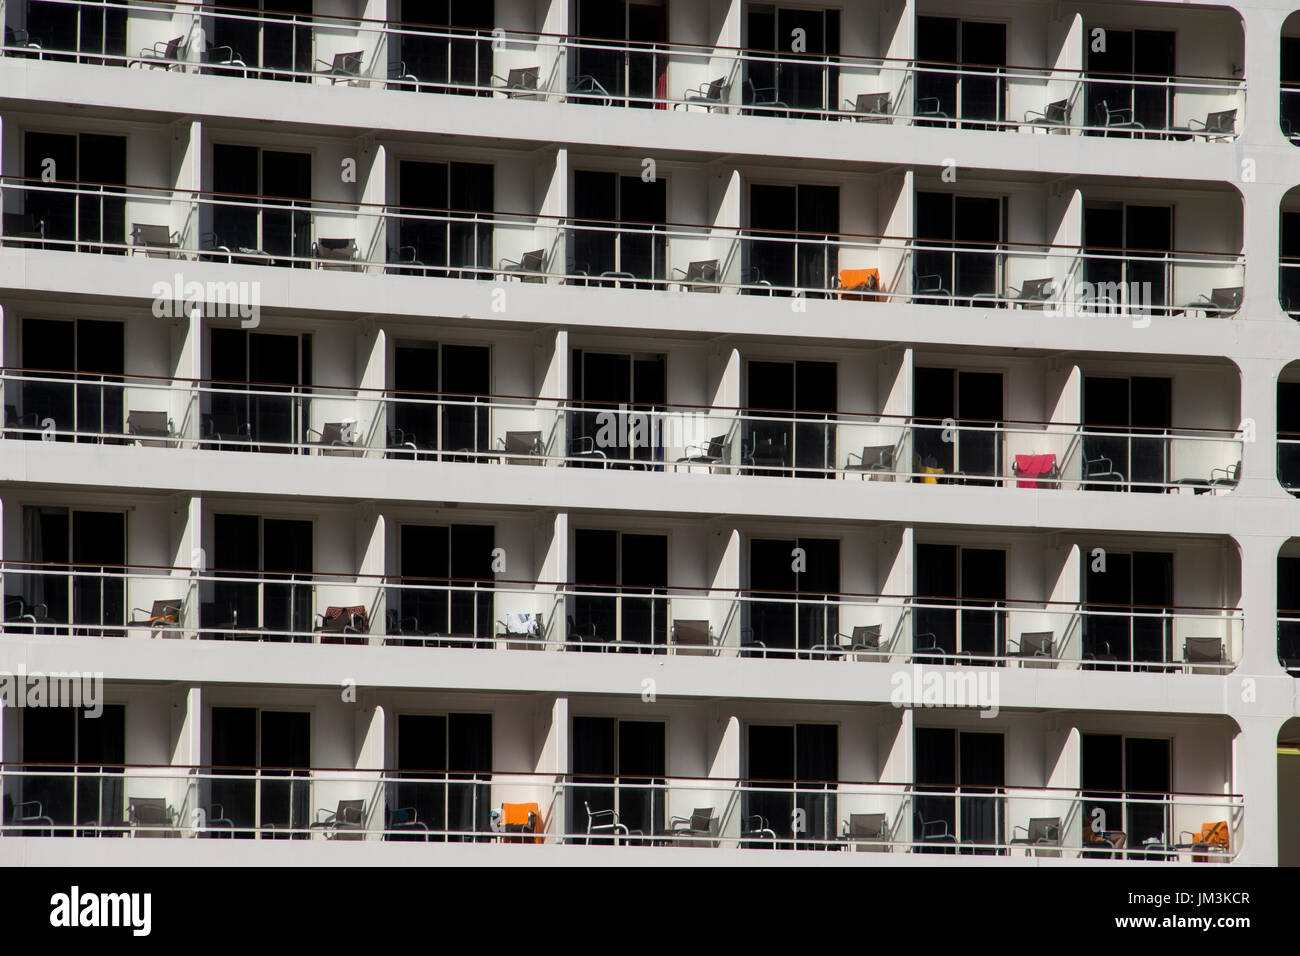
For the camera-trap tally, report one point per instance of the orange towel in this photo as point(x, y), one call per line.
point(859, 280)
point(1214, 834)
point(516, 814)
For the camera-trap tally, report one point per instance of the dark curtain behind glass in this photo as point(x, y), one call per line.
point(234, 753)
point(594, 762)
point(101, 752)
point(421, 771)
point(982, 769)
point(286, 789)
point(936, 780)
point(469, 762)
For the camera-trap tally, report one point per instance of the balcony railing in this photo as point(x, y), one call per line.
point(1288, 461)
point(381, 239)
point(77, 599)
point(1288, 640)
point(717, 79)
point(669, 811)
point(1289, 285)
point(1289, 118)
point(487, 429)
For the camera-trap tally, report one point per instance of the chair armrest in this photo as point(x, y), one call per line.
point(329, 816)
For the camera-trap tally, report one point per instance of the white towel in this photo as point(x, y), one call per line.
point(523, 623)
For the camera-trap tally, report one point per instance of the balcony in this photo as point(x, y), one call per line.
point(1063, 87)
point(119, 409)
point(1095, 279)
point(287, 606)
point(527, 808)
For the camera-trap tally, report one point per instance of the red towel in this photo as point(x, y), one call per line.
point(1030, 467)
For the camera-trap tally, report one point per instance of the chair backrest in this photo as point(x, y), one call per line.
point(882, 455)
point(166, 611)
point(216, 614)
point(1045, 830)
point(332, 432)
point(174, 48)
point(860, 280)
point(1228, 298)
point(523, 443)
point(1037, 288)
point(703, 270)
point(870, 103)
point(716, 90)
point(868, 826)
point(23, 224)
point(1103, 113)
point(150, 234)
point(1036, 644)
point(1057, 112)
point(691, 633)
point(520, 814)
point(347, 64)
point(717, 446)
point(866, 635)
point(1214, 834)
point(349, 813)
point(150, 811)
point(147, 423)
point(1222, 121)
point(523, 78)
point(533, 261)
point(338, 618)
point(221, 423)
point(336, 248)
point(1203, 650)
point(702, 819)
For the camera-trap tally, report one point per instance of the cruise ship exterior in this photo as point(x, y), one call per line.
point(530, 432)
